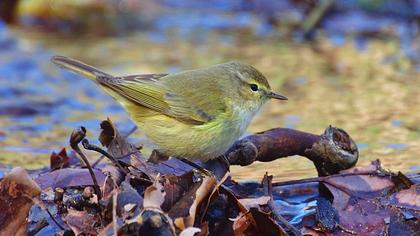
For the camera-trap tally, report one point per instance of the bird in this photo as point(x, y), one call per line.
point(194, 114)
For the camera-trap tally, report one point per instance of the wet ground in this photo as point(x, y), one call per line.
point(368, 86)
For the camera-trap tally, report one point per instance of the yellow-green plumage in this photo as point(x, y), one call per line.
point(195, 114)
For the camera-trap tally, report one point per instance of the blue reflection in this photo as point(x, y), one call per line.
point(396, 145)
point(361, 145)
point(290, 121)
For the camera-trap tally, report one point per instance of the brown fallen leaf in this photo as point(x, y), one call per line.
point(408, 199)
point(180, 209)
point(200, 199)
point(256, 222)
point(365, 203)
point(17, 190)
point(254, 202)
point(374, 171)
point(345, 189)
point(363, 218)
point(244, 224)
point(213, 194)
point(266, 224)
point(170, 167)
point(82, 222)
point(206, 188)
point(175, 188)
point(69, 177)
point(59, 160)
point(154, 196)
point(111, 138)
point(372, 167)
point(222, 208)
point(359, 184)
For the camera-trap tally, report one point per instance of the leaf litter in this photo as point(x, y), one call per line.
point(169, 197)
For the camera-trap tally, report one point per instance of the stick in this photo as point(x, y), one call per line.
point(114, 213)
point(52, 218)
point(92, 147)
point(330, 152)
point(267, 183)
point(78, 135)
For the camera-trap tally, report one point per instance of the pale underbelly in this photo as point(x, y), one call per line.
point(196, 142)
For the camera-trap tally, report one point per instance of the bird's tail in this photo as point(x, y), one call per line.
point(78, 67)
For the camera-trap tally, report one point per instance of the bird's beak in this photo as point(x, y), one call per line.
point(276, 96)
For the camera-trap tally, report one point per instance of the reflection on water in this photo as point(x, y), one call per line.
point(369, 88)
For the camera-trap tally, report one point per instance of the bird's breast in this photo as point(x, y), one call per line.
point(192, 141)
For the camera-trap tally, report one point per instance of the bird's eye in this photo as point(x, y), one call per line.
point(254, 87)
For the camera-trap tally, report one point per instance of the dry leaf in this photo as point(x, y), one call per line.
point(190, 231)
point(154, 195)
point(82, 222)
point(409, 198)
point(59, 160)
point(254, 202)
point(17, 190)
point(202, 193)
point(69, 177)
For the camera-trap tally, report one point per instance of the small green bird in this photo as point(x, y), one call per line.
point(194, 114)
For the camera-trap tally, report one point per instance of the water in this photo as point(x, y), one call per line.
point(369, 87)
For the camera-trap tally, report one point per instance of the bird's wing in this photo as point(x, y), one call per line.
point(184, 99)
point(172, 95)
point(149, 91)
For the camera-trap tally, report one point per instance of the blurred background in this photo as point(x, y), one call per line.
point(353, 64)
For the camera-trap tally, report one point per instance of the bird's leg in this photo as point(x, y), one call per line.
point(198, 167)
